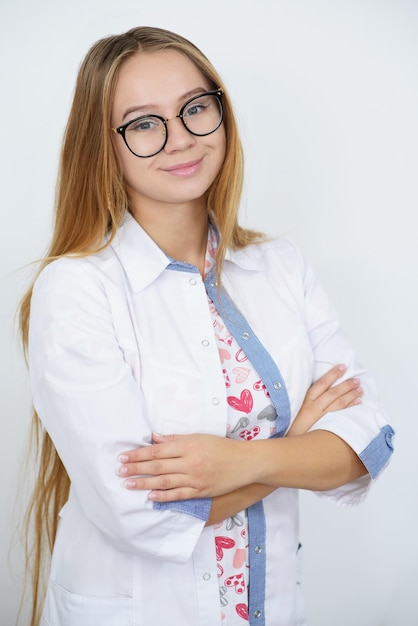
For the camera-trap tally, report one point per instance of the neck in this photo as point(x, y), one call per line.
point(181, 232)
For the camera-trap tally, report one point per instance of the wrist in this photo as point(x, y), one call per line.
point(264, 461)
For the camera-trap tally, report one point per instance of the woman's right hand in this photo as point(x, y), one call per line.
point(324, 396)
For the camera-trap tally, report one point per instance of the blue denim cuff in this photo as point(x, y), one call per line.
point(377, 453)
point(198, 507)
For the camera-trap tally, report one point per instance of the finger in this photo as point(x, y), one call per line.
point(147, 453)
point(333, 394)
point(173, 495)
point(324, 382)
point(149, 468)
point(157, 483)
point(349, 399)
point(163, 438)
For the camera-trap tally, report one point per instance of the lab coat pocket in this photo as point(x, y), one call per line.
point(299, 556)
point(300, 604)
point(63, 608)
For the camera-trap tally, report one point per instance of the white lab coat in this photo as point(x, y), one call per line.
point(121, 347)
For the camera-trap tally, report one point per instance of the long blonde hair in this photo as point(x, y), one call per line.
point(91, 201)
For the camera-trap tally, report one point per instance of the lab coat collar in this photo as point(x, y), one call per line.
point(143, 261)
point(247, 258)
point(139, 255)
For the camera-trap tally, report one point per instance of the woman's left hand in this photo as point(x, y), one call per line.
point(179, 467)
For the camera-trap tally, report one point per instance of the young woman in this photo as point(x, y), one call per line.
point(172, 355)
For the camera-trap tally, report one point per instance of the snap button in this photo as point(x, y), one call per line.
point(205, 343)
point(215, 401)
point(192, 281)
point(245, 335)
point(258, 549)
point(206, 576)
point(388, 438)
point(214, 284)
point(277, 386)
point(257, 613)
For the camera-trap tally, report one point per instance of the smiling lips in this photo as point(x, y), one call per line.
point(184, 169)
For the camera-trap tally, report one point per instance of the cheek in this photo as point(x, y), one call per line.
point(122, 156)
point(125, 159)
point(131, 167)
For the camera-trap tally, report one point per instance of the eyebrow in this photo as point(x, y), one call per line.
point(143, 108)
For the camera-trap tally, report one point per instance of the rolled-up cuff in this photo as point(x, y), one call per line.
point(198, 507)
point(378, 452)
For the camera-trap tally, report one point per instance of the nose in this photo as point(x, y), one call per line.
point(178, 137)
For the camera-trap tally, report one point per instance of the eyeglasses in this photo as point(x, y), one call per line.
point(146, 136)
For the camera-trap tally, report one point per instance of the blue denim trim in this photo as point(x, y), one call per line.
point(274, 382)
point(181, 266)
point(257, 558)
point(198, 507)
point(377, 453)
point(255, 351)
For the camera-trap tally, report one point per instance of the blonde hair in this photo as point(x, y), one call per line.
point(91, 201)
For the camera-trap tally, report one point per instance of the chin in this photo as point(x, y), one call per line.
point(187, 192)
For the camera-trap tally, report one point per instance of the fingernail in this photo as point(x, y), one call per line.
point(122, 470)
point(123, 458)
point(357, 401)
point(356, 381)
point(342, 367)
point(129, 484)
point(152, 495)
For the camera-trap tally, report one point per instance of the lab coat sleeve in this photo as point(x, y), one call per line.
point(364, 427)
point(90, 403)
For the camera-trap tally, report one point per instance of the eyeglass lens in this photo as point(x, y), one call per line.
point(201, 116)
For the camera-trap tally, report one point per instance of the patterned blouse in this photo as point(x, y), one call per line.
point(250, 415)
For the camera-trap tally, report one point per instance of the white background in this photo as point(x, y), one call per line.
point(326, 93)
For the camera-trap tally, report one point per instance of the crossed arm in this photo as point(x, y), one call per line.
point(179, 467)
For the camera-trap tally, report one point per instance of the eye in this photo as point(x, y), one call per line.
point(197, 107)
point(144, 124)
point(194, 109)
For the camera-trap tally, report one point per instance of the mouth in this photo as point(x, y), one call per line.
point(184, 169)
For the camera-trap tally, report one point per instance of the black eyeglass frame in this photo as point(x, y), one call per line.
point(121, 130)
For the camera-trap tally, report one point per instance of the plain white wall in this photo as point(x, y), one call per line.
point(326, 93)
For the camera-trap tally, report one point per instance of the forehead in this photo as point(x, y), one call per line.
point(158, 78)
